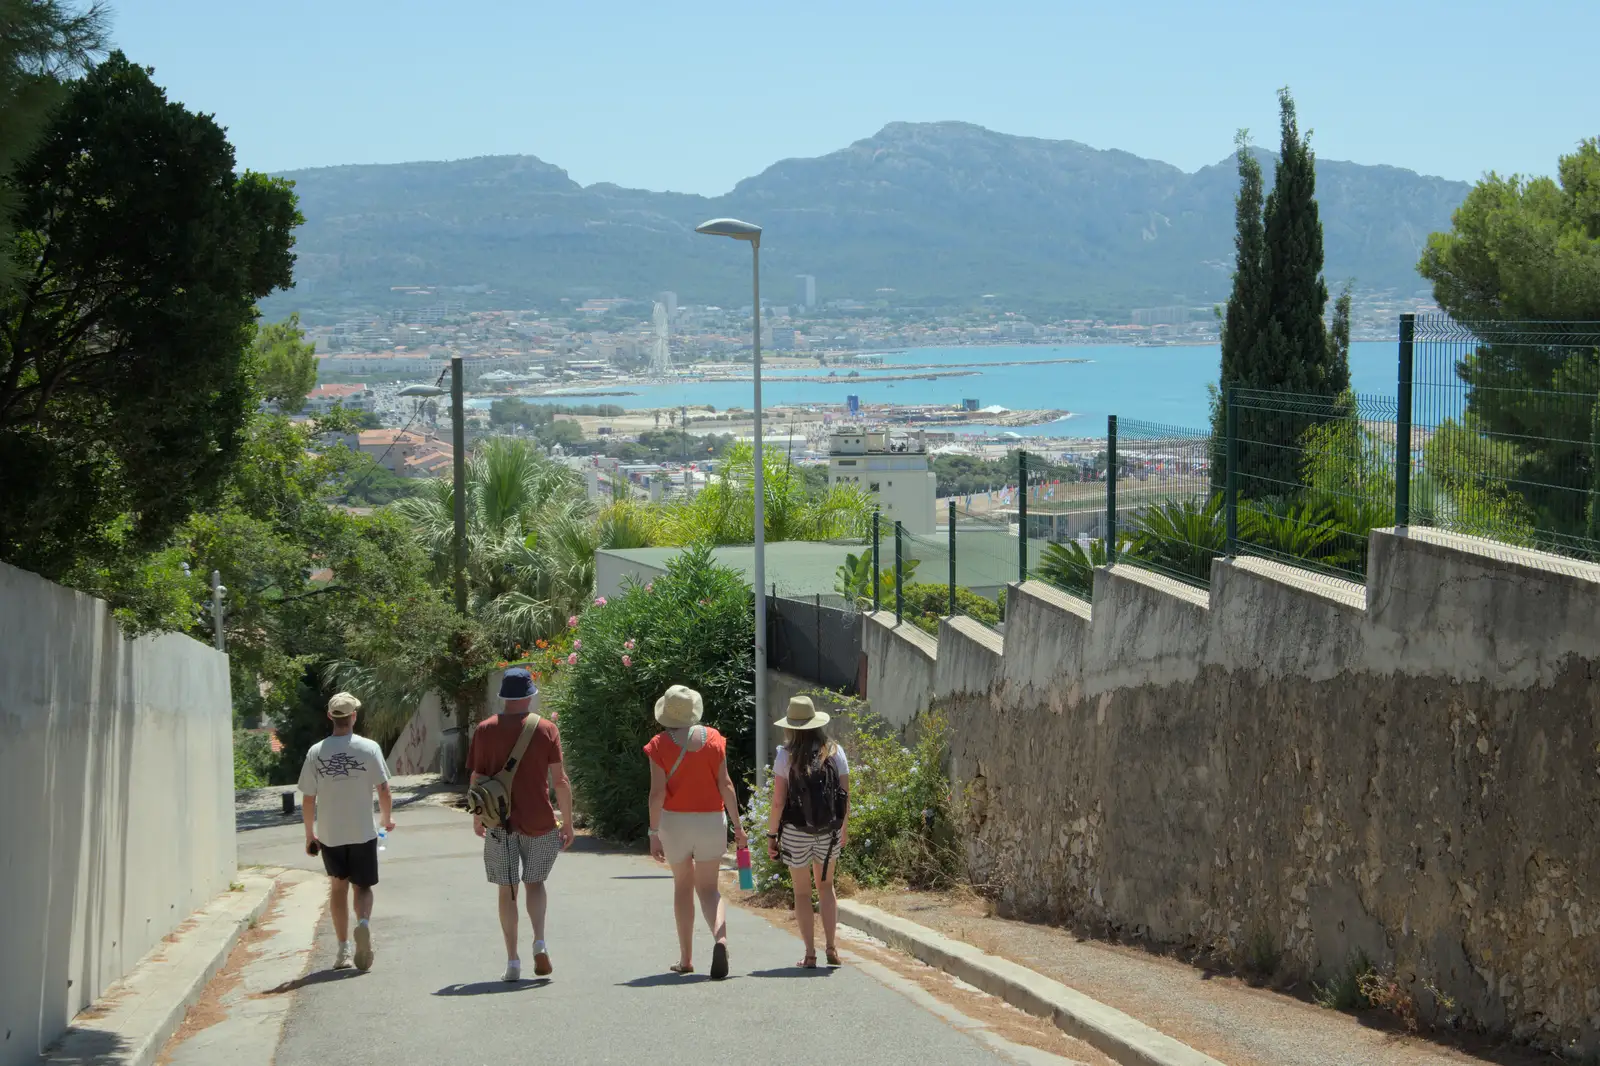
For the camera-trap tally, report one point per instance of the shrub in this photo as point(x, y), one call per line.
point(924, 604)
point(901, 824)
point(692, 626)
point(1346, 989)
point(252, 759)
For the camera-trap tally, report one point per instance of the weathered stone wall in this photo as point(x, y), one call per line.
point(1407, 769)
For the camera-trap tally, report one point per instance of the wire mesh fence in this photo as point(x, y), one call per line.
point(1310, 477)
point(1506, 431)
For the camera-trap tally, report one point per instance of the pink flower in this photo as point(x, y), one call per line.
point(626, 661)
point(577, 645)
point(650, 587)
point(572, 621)
point(572, 660)
point(628, 644)
point(599, 601)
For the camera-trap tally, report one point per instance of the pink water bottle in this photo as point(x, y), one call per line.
point(747, 880)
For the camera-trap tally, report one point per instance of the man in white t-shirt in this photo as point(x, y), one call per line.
point(338, 780)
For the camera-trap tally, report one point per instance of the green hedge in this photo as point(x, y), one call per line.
point(693, 626)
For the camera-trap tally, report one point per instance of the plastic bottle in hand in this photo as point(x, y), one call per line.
point(747, 880)
point(383, 834)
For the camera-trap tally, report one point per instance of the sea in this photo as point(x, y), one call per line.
point(1161, 384)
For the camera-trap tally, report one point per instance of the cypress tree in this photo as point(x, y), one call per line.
point(1245, 322)
point(1297, 336)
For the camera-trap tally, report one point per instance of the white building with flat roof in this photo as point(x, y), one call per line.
point(892, 469)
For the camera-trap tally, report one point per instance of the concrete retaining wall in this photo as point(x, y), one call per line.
point(1407, 769)
point(116, 779)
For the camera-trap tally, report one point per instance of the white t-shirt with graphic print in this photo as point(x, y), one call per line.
point(343, 773)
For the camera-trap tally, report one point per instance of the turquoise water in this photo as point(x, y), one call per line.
point(1154, 384)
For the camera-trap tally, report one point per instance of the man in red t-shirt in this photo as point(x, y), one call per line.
point(528, 849)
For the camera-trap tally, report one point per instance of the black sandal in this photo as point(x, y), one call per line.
point(719, 961)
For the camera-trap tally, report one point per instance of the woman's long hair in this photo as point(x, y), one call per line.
point(807, 749)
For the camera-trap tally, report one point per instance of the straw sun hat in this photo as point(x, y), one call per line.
point(680, 708)
point(802, 714)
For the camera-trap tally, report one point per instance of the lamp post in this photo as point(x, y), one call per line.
point(745, 231)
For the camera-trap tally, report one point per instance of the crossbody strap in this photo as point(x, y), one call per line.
point(530, 726)
point(683, 750)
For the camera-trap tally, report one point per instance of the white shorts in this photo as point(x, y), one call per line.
point(797, 848)
point(693, 835)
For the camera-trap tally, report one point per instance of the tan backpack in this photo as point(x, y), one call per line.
point(490, 798)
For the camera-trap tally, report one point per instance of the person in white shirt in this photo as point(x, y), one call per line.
point(338, 780)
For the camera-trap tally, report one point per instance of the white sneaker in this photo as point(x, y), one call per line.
point(341, 961)
point(363, 947)
point(513, 970)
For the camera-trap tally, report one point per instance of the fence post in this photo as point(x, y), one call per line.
point(816, 608)
point(1402, 427)
point(952, 557)
point(1111, 488)
point(1231, 500)
point(876, 604)
point(899, 576)
point(1022, 515)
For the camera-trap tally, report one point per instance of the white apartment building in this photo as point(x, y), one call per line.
point(893, 470)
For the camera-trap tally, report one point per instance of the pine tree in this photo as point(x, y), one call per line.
point(1244, 323)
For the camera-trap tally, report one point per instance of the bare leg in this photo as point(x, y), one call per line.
point(538, 901)
point(829, 905)
point(803, 915)
point(710, 893)
point(508, 920)
point(339, 907)
point(683, 909)
point(364, 901)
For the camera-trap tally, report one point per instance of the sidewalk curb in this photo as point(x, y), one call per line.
point(146, 1006)
point(1125, 1039)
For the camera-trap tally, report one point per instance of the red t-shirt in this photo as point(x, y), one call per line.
point(693, 789)
point(492, 741)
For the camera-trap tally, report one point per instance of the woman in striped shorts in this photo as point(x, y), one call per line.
point(807, 826)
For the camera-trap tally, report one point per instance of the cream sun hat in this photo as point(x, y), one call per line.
point(680, 708)
point(802, 714)
point(343, 705)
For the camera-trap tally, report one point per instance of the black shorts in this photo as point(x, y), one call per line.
point(356, 863)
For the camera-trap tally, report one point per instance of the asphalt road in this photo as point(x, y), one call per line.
point(434, 995)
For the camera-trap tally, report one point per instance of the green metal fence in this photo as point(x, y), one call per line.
point(1505, 431)
point(1493, 431)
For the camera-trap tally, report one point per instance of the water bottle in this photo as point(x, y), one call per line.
point(383, 835)
point(747, 879)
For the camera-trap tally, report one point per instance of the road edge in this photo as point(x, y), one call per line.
point(139, 1013)
point(1119, 1035)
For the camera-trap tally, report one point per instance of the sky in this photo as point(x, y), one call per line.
point(693, 97)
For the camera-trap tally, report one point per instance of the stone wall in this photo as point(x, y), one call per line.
point(1407, 769)
point(116, 779)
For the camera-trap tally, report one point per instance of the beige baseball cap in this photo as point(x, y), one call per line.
point(343, 705)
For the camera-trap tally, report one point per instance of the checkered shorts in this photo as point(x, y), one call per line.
point(505, 851)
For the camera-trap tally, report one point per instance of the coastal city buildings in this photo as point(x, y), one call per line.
point(891, 468)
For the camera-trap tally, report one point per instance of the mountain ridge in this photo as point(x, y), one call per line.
point(937, 212)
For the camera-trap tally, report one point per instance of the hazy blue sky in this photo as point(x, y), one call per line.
point(695, 96)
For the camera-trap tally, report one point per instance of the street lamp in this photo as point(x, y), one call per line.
point(745, 231)
point(458, 435)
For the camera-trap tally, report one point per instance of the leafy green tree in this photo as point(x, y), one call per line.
point(43, 44)
point(1527, 250)
point(125, 374)
point(853, 579)
point(286, 364)
point(724, 512)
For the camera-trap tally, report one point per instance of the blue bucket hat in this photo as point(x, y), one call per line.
point(517, 684)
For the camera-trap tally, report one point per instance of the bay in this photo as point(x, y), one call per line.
point(1163, 385)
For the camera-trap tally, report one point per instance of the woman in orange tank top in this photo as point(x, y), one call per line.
point(691, 804)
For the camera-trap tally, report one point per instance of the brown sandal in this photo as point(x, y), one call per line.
point(809, 962)
point(675, 968)
point(833, 957)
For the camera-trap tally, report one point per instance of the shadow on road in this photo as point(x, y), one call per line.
point(641, 877)
point(657, 980)
point(319, 977)
point(795, 971)
point(492, 988)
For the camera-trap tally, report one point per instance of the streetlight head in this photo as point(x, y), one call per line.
point(421, 390)
point(731, 227)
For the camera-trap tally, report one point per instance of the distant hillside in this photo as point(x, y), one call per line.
point(934, 211)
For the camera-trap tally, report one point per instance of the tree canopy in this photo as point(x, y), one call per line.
point(125, 374)
point(286, 364)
